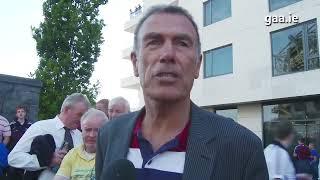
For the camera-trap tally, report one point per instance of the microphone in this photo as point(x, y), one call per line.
point(122, 169)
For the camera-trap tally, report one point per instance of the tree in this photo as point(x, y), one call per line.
point(68, 44)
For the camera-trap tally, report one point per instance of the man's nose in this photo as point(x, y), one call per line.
point(92, 133)
point(112, 115)
point(167, 53)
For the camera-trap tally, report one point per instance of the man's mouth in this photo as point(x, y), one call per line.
point(167, 75)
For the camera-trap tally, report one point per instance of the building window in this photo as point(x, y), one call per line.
point(304, 115)
point(218, 61)
point(295, 49)
point(229, 113)
point(216, 10)
point(277, 4)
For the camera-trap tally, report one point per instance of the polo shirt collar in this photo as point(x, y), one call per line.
point(179, 143)
point(81, 152)
point(24, 123)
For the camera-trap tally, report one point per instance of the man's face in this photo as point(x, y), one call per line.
point(21, 113)
point(116, 110)
point(74, 114)
point(90, 130)
point(102, 108)
point(166, 60)
point(311, 146)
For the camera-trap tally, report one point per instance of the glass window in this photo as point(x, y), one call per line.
point(295, 49)
point(229, 113)
point(208, 64)
point(312, 50)
point(277, 4)
point(304, 115)
point(216, 10)
point(218, 61)
point(207, 13)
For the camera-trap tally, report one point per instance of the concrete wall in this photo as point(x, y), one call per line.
point(19, 91)
point(250, 116)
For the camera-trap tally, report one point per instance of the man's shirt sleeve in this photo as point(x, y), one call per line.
point(19, 157)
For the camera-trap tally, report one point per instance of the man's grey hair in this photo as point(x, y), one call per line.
point(73, 99)
point(120, 100)
point(93, 113)
point(166, 9)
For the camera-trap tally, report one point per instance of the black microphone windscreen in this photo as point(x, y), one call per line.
point(122, 169)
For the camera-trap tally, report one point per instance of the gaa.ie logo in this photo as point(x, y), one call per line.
point(274, 19)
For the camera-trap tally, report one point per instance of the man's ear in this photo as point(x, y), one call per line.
point(198, 65)
point(134, 61)
point(65, 110)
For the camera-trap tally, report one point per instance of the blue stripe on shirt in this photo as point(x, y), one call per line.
point(147, 174)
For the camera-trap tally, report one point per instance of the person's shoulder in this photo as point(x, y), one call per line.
point(74, 152)
point(118, 123)
point(272, 148)
point(45, 121)
point(13, 123)
point(29, 122)
point(3, 121)
point(121, 120)
point(42, 124)
point(314, 151)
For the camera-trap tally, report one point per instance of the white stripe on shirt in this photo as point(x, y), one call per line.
point(169, 161)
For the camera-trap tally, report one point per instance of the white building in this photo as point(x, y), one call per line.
point(254, 73)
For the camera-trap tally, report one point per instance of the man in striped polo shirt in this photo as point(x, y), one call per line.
point(171, 138)
point(5, 131)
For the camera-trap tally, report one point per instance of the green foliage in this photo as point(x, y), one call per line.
point(68, 44)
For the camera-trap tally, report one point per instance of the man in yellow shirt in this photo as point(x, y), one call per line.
point(79, 163)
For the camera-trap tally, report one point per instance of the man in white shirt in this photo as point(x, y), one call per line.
point(63, 125)
point(280, 165)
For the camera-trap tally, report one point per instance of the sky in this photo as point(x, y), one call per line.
point(18, 56)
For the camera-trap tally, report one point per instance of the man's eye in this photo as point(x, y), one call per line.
point(153, 42)
point(183, 43)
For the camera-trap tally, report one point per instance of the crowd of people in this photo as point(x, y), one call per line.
point(301, 164)
point(169, 138)
point(59, 148)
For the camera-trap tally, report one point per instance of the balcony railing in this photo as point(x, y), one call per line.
point(135, 12)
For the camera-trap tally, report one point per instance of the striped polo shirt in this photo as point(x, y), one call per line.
point(166, 163)
point(4, 128)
